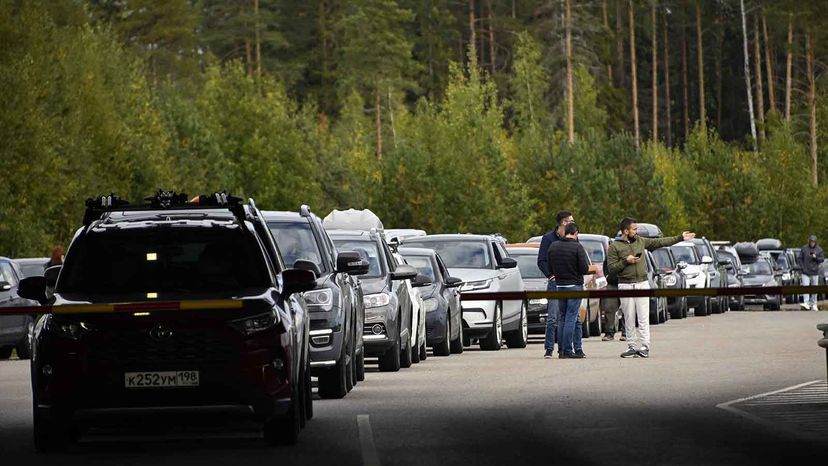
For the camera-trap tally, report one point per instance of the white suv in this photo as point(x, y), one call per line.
point(696, 274)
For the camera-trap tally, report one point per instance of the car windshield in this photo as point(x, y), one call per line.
point(164, 260)
point(594, 249)
point(296, 242)
point(367, 250)
point(458, 254)
point(528, 265)
point(685, 254)
point(724, 255)
point(662, 259)
point(422, 264)
point(781, 261)
point(760, 267)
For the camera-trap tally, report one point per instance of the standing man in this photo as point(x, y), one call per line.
point(626, 259)
point(562, 219)
point(810, 258)
point(568, 262)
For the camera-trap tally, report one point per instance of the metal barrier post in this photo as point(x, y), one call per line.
point(823, 342)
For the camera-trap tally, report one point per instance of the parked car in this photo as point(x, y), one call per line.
point(526, 256)
point(759, 274)
point(15, 330)
point(733, 268)
point(214, 318)
point(32, 266)
point(673, 279)
point(335, 305)
point(782, 266)
point(596, 247)
point(695, 274)
point(441, 298)
point(715, 273)
point(418, 315)
point(394, 235)
point(535, 239)
point(483, 264)
point(659, 312)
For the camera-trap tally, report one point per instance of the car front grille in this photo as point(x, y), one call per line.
point(184, 346)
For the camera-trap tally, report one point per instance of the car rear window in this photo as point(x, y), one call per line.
point(662, 259)
point(594, 249)
point(528, 265)
point(685, 254)
point(422, 264)
point(164, 260)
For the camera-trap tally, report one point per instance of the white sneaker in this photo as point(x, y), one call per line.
point(815, 308)
point(805, 306)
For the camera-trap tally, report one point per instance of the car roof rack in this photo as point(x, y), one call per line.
point(99, 207)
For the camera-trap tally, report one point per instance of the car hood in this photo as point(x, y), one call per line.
point(756, 280)
point(692, 269)
point(427, 291)
point(373, 285)
point(472, 275)
point(535, 284)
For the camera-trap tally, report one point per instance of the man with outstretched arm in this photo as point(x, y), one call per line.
point(625, 258)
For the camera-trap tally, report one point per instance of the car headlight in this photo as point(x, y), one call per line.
point(477, 285)
point(786, 276)
point(670, 280)
point(376, 300)
point(319, 300)
point(692, 275)
point(256, 324)
point(430, 304)
point(65, 328)
point(538, 301)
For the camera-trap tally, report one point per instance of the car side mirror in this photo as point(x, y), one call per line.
point(707, 260)
point(297, 281)
point(351, 262)
point(404, 272)
point(725, 262)
point(454, 282)
point(51, 275)
point(507, 263)
point(421, 280)
point(33, 288)
point(5, 286)
point(310, 266)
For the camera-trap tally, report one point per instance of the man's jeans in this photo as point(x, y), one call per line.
point(636, 309)
point(552, 314)
point(810, 280)
point(569, 321)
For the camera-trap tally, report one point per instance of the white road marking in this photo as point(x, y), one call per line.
point(366, 441)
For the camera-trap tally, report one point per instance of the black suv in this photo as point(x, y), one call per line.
point(336, 309)
point(170, 304)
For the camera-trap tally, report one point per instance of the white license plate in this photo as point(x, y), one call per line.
point(161, 379)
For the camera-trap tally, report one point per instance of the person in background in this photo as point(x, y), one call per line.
point(56, 258)
point(810, 258)
point(562, 219)
point(568, 263)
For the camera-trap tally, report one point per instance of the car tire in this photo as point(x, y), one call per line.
point(595, 327)
point(350, 380)
point(415, 354)
point(5, 352)
point(457, 345)
point(53, 432)
point(775, 305)
point(360, 366)
point(423, 352)
point(333, 381)
point(308, 402)
point(406, 355)
point(24, 348)
point(494, 338)
point(654, 318)
point(675, 313)
point(284, 431)
point(702, 310)
point(443, 348)
point(519, 338)
point(390, 361)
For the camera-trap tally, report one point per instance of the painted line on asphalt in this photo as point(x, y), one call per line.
point(366, 441)
point(728, 406)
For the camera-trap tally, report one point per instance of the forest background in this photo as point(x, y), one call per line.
point(452, 116)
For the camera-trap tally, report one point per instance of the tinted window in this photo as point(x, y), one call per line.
point(528, 265)
point(662, 259)
point(165, 260)
point(33, 269)
point(459, 254)
point(296, 241)
point(594, 249)
point(368, 251)
point(685, 254)
point(760, 267)
point(723, 255)
point(423, 265)
point(7, 274)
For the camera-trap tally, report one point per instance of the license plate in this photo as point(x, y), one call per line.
point(161, 379)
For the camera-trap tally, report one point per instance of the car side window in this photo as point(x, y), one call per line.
point(7, 274)
point(389, 257)
point(443, 269)
point(497, 254)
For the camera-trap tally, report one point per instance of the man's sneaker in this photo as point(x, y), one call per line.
point(566, 356)
point(580, 354)
point(607, 337)
point(548, 354)
point(630, 353)
point(623, 338)
point(644, 352)
point(805, 306)
point(815, 308)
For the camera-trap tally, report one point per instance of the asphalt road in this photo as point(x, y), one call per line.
point(509, 407)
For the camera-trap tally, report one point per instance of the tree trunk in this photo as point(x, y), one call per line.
point(570, 94)
point(667, 102)
point(606, 27)
point(769, 65)
point(812, 127)
point(248, 53)
point(719, 48)
point(655, 69)
point(258, 38)
point(472, 35)
point(788, 70)
point(378, 121)
point(685, 84)
point(634, 77)
point(492, 46)
point(700, 55)
point(748, 87)
point(757, 66)
point(391, 118)
point(620, 72)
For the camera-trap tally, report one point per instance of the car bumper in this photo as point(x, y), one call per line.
point(478, 317)
point(536, 314)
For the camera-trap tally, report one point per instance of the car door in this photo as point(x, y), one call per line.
point(400, 288)
point(451, 294)
point(510, 280)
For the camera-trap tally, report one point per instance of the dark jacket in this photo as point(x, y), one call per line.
point(620, 248)
point(543, 258)
point(810, 265)
point(568, 262)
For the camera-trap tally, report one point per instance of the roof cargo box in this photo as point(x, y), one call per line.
point(648, 230)
point(352, 219)
point(769, 244)
point(748, 252)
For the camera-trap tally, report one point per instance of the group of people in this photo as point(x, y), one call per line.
point(564, 262)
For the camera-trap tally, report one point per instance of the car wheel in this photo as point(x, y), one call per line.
point(350, 381)
point(333, 381)
point(284, 431)
point(24, 348)
point(423, 352)
point(676, 311)
point(595, 326)
point(405, 355)
point(457, 345)
point(415, 354)
point(5, 353)
point(654, 320)
point(360, 366)
point(702, 310)
point(390, 361)
point(53, 431)
point(494, 337)
point(775, 305)
point(308, 392)
point(520, 337)
point(442, 348)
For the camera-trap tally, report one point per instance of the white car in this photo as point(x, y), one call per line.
point(418, 319)
point(695, 273)
point(483, 264)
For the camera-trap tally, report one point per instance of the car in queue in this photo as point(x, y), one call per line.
point(666, 262)
point(32, 266)
point(15, 330)
point(441, 301)
point(394, 235)
point(757, 275)
point(733, 268)
point(716, 277)
point(212, 319)
point(418, 315)
point(483, 264)
point(335, 305)
point(695, 274)
point(659, 312)
point(596, 247)
point(526, 255)
point(783, 268)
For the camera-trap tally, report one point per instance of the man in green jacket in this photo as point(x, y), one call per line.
point(626, 259)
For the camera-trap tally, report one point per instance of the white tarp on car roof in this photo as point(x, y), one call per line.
point(352, 219)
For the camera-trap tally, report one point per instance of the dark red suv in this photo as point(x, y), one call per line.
point(171, 304)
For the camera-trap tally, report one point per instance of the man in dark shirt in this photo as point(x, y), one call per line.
point(562, 218)
point(568, 263)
